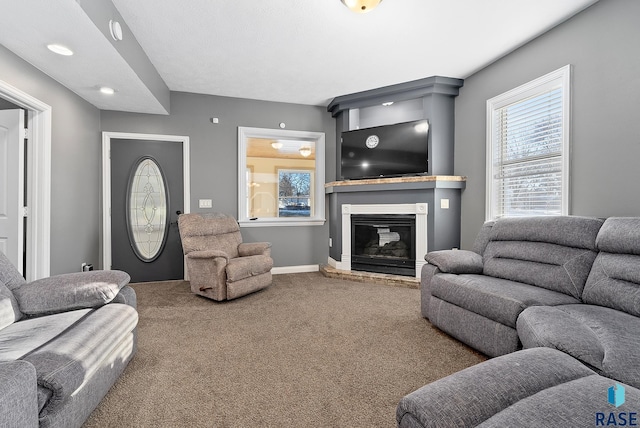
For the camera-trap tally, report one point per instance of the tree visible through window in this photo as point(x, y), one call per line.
point(294, 193)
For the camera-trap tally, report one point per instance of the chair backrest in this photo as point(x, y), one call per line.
point(554, 252)
point(215, 231)
point(614, 280)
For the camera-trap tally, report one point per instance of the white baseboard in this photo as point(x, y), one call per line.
point(295, 269)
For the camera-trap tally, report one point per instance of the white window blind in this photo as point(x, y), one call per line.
point(527, 150)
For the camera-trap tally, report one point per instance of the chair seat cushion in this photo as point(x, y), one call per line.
point(248, 266)
point(501, 300)
point(601, 337)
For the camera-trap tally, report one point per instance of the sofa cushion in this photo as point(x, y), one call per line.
point(474, 395)
point(550, 252)
point(498, 299)
point(567, 231)
point(63, 364)
point(70, 291)
point(482, 239)
point(18, 402)
point(614, 280)
point(23, 337)
point(578, 403)
point(486, 335)
point(620, 235)
point(9, 275)
point(601, 337)
point(9, 309)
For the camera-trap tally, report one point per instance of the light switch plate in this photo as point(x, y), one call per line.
point(444, 204)
point(205, 203)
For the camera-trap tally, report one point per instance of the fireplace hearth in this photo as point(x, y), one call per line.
point(384, 243)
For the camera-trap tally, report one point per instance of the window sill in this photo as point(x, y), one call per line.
point(281, 222)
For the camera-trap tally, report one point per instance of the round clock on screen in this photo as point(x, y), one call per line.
point(372, 141)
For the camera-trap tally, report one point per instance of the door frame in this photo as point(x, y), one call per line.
point(106, 180)
point(38, 201)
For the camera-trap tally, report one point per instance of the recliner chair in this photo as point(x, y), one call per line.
point(219, 265)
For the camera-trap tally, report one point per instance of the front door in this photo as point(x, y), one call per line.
point(147, 195)
point(12, 186)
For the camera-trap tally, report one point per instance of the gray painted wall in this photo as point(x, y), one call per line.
point(75, 164)
point(601, 44)
point(214, 155)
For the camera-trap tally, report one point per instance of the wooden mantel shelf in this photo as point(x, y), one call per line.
point(395, 180)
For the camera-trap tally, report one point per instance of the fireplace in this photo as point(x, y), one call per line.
point(406, 222)
point(384, 243)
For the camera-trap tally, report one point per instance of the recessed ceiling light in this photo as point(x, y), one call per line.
point(60, 50)
point(107, 90)
point(388, 103)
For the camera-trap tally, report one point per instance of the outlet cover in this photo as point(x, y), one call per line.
point(205, 203)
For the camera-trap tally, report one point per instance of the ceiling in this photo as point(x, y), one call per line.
point(304, 51)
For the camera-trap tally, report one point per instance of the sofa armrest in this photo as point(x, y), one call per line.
point(455, 261)
point(255, 249)
point(66, 292)
point(427, 273)
point(127, 296)
point(18, 394)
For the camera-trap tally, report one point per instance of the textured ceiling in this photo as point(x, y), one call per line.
point(304, 51)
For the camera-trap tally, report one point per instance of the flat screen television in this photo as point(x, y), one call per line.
point(385, 151)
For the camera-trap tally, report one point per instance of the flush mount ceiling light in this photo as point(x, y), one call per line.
point(361, 6)
point(388, 103)
point(107, 90)
point(116, 30)
point(59, 49)
point(305, 151)
point(276, 145)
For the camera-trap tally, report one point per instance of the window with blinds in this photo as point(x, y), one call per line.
point(527, 142)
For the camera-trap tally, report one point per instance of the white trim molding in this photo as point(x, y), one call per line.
point(38, 232)
point(560, 78)
point(106, 181)
point(420, 210)
point(294, 269)
point(318, 195)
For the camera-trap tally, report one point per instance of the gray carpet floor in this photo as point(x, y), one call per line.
point(308, 351)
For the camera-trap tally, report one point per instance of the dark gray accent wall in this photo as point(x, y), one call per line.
point(75, 164)
point(601, 44)
point(214, 158)
point(436, 95)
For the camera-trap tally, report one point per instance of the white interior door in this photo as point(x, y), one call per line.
point(12, 185)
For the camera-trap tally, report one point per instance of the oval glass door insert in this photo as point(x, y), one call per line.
point(147, 208)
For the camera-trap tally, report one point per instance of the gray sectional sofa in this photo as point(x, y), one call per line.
point(571, 284)
point(64, 341)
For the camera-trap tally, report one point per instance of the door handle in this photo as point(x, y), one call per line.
point(175, 222)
